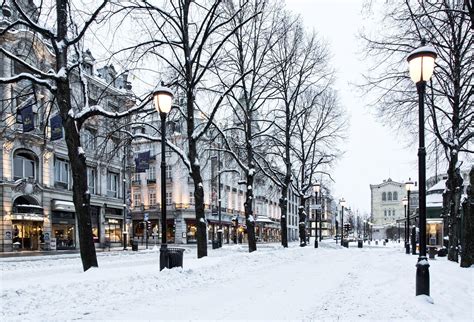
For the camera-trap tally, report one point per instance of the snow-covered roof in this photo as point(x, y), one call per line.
point(441, 185)
point(434, 200)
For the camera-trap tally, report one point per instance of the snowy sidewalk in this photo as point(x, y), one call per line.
point(328, 283)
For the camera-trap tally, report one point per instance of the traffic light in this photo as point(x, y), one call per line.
point(148, 225)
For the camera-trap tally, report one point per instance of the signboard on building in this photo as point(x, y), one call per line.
point(315, 207)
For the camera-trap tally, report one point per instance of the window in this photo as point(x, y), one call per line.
point(169, 198)
point(61, 173)
point(91, 179)
point(23, 166)
point(137, 199)
point(152, 197)
point(389, 196)
point(168, 172)
point(152, 172)
point(88, 139)
point(395, 195)
point(191, 198)
point(393, 212)
point(136, 177)
point(112, 184)
point(384, 196)
point(385, 213)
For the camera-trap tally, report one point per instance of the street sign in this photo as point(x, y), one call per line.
point(315, 207)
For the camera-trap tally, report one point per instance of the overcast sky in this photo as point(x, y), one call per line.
point(373, 152)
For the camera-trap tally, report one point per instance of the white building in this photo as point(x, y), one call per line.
point(386, 202)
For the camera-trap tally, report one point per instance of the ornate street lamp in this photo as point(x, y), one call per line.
point(316, 189)
point(421, 63)
point(162, 100)
point(342, 202)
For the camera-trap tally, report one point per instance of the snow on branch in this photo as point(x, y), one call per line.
point(89, 111)
point(31, 24)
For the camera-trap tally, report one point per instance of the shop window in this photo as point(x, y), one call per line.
point(24, 166)
point(113, 230)
point(61, 173)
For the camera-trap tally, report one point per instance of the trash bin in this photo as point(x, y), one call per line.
point(134, 246)
point(360, 243)
point(215, 244)
point(431, 252)
point(172, 257)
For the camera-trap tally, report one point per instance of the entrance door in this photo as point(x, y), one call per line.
point(28, 234)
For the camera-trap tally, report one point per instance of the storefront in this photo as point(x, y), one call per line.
point(27, 225)
point(63, 220)
point(113, 225)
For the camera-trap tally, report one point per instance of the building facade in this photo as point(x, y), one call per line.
point(36, 203)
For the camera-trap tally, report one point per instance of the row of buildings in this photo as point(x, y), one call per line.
point(388, 211)
point(36, 202)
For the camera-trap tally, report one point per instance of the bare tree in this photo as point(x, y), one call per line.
point(300, 62)
point(449, 101)
point(246, 56)
point(188, 36)
point(319, 128)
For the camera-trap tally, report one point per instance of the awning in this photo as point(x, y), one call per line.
point(263, 219)
point(61, 205)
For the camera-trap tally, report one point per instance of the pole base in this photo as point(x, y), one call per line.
point(422, 276)
point(164, 257)
point(316, 243)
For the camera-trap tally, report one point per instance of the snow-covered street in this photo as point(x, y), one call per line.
point(328, 283)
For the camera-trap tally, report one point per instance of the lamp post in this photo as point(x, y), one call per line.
point(342, 202)
point(320, 217)
point(408, 187)
point(421, 63)
point(363, 236)
point(316, 188)
point(162, 100)
point(405, 237)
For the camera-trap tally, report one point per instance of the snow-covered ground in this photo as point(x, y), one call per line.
point(328, 283)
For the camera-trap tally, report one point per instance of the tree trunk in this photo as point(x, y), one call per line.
point(302, 221)
point(249, 218)
point(200, 217)
point(77, 160)
point(467, 256)
point(453, 199)
point(284, 212)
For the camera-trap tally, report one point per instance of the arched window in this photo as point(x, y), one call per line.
point(384, 196)
point(24, 165)
point(395, 195)
point(389, 196)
